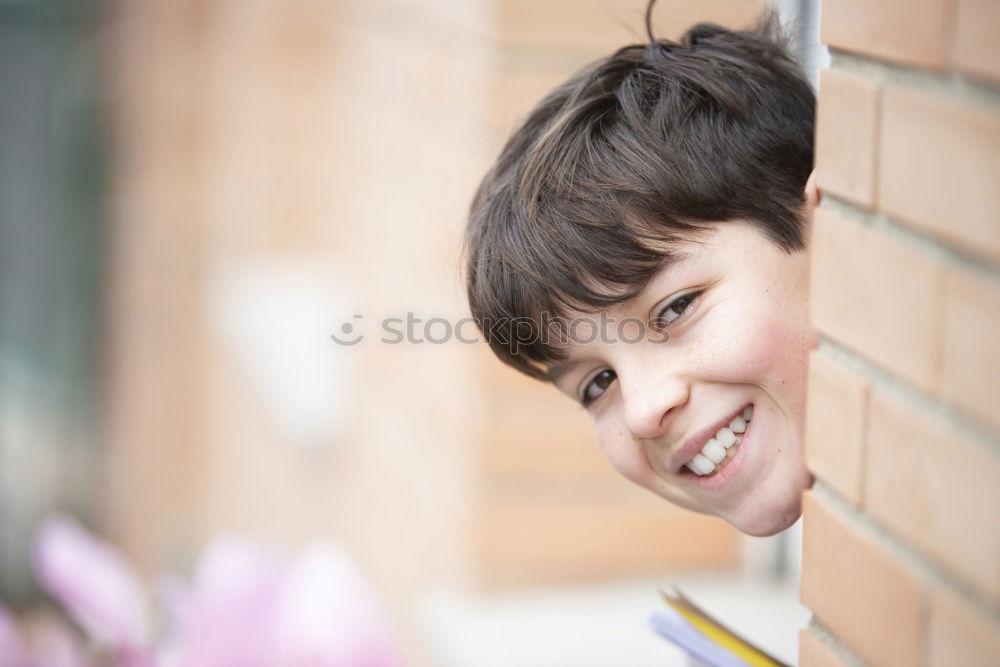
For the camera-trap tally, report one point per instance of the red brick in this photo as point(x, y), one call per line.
point(846, 136)
point(977, 49)
point(961, 634)
point(814, 653)
point(932, 485)
point(544, 452)
point(939, 167)
point(878, 296)
point(913, 32)
point(835, 426)
point(971, 370)
point(864, 595)
point(599, 26)
point(529, 540)
point(672, 17)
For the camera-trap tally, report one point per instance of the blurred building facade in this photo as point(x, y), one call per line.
point(275, 170)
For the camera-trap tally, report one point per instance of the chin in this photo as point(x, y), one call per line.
point(769, 516)
point(771, 525)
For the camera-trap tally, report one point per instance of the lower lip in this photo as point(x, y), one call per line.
point(719, 479)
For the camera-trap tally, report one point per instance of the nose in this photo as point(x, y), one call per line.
point(650, 393)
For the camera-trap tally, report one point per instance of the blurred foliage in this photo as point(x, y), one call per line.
point(49, 10)
point(51, 221)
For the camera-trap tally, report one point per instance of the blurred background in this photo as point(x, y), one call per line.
point(195, 194)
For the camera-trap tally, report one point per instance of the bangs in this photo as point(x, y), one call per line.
point(562, 253)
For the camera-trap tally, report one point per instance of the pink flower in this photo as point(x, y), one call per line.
point(244, 607)
point(95, 585)
point(227, 616)
point(12, 651)
point(328, 617)
point(247, 608)
point(53, 644)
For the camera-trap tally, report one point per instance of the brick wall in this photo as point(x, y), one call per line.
point(901, 552)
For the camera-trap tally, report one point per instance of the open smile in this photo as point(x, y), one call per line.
point(719, 457)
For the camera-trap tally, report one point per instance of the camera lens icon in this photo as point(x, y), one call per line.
point(348, 335)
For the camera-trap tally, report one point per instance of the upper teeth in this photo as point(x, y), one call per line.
point(721, 446)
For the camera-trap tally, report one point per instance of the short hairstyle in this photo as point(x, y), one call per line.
point(632, 154)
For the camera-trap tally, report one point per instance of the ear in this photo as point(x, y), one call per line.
point(811, 196)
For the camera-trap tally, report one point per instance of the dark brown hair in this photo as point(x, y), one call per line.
point(629, 156)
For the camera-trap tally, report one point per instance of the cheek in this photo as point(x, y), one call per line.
point(792, 339)
point(768, 348)
point(623, 452)
point(780, 347)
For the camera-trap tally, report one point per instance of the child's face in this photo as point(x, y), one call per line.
point(735, 310)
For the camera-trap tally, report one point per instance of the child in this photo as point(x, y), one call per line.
point(669, 185)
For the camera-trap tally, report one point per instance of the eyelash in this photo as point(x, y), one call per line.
point(688, 299)
point(691, 297)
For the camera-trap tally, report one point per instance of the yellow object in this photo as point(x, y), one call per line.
point(719, 634)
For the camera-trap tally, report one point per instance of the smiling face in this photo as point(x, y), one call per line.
point(669, 409)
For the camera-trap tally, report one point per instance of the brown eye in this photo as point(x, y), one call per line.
point(674, 310)
point(597, 385)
